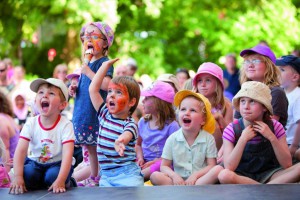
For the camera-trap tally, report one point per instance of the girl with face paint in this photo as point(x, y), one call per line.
point(96, 38)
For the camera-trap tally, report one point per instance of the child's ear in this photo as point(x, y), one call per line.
point(63, 105)
point(132, 102)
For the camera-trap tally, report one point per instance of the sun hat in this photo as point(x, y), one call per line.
point(131, 62)
point(254, 90)
point(290, 60)
point(209, 68)
point(161, 90)
point(34, 86)
point(210, 123)
point(76, 73)
point(105, 30)
point(262, 50)
point(169, 78)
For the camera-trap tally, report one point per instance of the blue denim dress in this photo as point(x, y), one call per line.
point(85, 121)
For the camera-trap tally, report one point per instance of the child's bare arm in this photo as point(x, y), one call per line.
point(97, 82)
point(59, 184)
point(295, 144)
point(122, 141)
point(211, 162)
point(165, 168)
point(18, 184)
point(139, 152)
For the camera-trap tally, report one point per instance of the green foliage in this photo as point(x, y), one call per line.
point(161, 35)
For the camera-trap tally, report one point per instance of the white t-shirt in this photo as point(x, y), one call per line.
point(293, 114)
point(45, 144)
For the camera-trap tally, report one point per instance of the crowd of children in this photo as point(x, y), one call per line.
point(186, 133)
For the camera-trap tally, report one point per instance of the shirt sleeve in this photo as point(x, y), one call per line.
point(132, 127)
point(27, 129)
point(278, 129)
point(211, 147)
point(68, 133)
point(228, 133)
point(167, 150)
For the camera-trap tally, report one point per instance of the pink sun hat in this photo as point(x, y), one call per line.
point(209, 68)
point(161, 90)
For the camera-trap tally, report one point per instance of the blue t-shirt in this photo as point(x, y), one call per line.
point(85, 121)
point(233, 81)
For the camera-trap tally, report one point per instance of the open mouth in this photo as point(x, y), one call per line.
point(187, 121)
point(90, 47)
point(45, 106)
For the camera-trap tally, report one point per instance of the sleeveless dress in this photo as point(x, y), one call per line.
point(85, 121)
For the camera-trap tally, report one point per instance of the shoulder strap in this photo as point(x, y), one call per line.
point(238, 127)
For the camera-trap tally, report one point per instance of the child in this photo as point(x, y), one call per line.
point(156, 126)
point(209, 82)
point(259, 65)
point(192, 149)
point(97, 38)
point(255, 149)
point(20, 108)
point(9, 131)
point(74, 77)
point(50, 139)
point(117, 129)
point(290, 79)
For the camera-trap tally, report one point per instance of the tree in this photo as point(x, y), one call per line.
point(160, 35)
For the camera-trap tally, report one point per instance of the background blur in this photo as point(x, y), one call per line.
point(162, 35)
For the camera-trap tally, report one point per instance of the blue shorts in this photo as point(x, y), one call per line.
point(129, 175)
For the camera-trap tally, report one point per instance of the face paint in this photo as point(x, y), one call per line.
point(117, 98)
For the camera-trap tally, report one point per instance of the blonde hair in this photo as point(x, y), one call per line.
point(165, 110)
point(132, 86)
point(272, 73)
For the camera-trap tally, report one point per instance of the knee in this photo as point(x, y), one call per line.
point(226, 176)
point(154, 178)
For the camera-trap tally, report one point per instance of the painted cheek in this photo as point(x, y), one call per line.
point(97, 45)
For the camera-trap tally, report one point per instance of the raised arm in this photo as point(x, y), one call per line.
point(97, 82)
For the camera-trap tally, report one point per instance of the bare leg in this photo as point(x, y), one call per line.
point(211, 177)
point(289, 175)
point(227, 176)
point(93, 160)
point(159, 178)
point(146, 173)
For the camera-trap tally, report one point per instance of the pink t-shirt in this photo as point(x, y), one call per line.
point(228, 133)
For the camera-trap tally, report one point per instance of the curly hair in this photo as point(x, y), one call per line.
point(5, 105)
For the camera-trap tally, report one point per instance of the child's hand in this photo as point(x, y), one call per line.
point(85, 69)
point(293, 149)
point(248, 133)
point(18, 186)
point(177, 180)
point(119, 146)
point(72, 90)
point(148, 164)
point(191, 180)
point(109, 62)
point(140, 162)
point(58, 187)
point(263, 129)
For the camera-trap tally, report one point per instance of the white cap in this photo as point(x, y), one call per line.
point(34, 86)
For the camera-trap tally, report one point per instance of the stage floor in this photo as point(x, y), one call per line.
point(207, 192)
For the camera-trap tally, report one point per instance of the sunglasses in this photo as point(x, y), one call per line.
point(2, 70)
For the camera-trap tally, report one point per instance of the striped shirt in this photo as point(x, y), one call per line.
point(229, 135)
point(110, 129)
